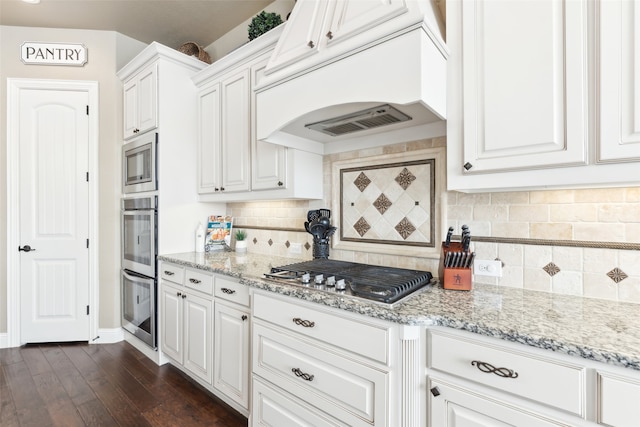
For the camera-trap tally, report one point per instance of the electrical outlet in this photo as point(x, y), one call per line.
point(487, 268)
point(295, 248)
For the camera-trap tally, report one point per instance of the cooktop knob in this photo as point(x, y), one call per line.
point(340, 285)
point(319, 278)
point(331, 281)
point(306, 278)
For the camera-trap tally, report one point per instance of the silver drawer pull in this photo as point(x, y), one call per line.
point(490, 369)
point(301, 374)
point(306, 323)
point(195, 281)
point(228, 291)
point(169, 273)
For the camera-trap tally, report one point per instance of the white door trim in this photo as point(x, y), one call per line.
point(14, 86)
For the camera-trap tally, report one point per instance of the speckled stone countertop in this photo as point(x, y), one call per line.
point(600, 330)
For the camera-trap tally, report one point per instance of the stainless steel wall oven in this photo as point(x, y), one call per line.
point(139, 267)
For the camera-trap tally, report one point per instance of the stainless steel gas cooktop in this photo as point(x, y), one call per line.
point(371, 282)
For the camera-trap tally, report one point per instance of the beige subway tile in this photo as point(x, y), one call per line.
point(632, 194)
point(529, 213)
point(407, 262)
point(490, 213)
point(485, 250)
point(464, 213)
point(510, 229)
point(510, 198)
point(511, 255)
point(485, 280)
point(597, 286)
point(474, 199)
point(629, 262)
point(573, 212)
point(600, 261)
point(632, 233)
point(361, 257)
point(599, 232)
point(536, 279)
point(600, 195)
point(568, 258)
point(512, 277)
point(629, 290)
point(551, 196)
point(567, 283)
point(537, 256)
point(541, 230)
point(394, 148)
point(619, 212)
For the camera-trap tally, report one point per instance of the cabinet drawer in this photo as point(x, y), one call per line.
point(231, 290)
point(545, 380)
point(350, 391)
point(358, 336)
point(173, 273)
point(272, 407)
point(199, 281)
point(618, 399)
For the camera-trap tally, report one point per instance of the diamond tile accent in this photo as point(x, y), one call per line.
point(551, 269)
point(270, 242)
point(307, 246)
point(255, 240)
point(382, 203)
point(287, 244)
point(405, 178)
point(617, 275)
point(362, 226)
point(405, 228)
point(362, 181)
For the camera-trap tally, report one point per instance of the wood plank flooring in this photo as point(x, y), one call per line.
point(78, 384)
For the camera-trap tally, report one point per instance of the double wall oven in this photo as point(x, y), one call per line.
point(139, 227)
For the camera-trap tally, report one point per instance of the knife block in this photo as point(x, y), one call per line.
point(455, 278)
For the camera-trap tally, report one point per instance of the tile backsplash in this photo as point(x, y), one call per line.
point(579, 242)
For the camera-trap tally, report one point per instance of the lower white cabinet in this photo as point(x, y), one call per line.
point(231, 352)
point(186, 329)
point(618, 398)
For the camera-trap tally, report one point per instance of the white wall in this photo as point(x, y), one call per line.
point(107, 52)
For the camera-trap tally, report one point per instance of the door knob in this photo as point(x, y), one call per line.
point(25, 248)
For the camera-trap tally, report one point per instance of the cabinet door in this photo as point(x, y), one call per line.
point(198, 336)
point(130, 116)
point(236, 134)
point(619, 81)
point(523, 102)
point(209, 140)
point(171, 321)
point(268, 160)
point(352, 17)
point(460, 407)
point(618, 398)
point(303, 35)
point(231, 354)
point(148, 99)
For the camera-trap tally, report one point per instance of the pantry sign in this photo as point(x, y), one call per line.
point(70, 54)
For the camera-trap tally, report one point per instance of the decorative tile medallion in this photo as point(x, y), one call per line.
point(391, 203)
point(617, 275)
point(551, 269)
point(307, 246)
point(362, 181)
point(361, 226)
point(382, 203)
point(270, 242)
point(405, 228)
point(255, 240)
point(405, 178)
point(287, 244)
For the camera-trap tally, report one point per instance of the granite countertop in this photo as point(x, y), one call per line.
point(601, 330)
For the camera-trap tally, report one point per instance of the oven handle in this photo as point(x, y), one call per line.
point(135, 276)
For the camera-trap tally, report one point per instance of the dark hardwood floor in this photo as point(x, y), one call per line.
point(101, 385)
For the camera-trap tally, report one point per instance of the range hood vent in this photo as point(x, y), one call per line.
point(370, 118)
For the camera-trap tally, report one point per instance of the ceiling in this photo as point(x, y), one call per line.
point(170, 22)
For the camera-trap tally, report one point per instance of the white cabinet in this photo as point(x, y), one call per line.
point(618, 81)
point(224, 155)
point(618, 397)
point(232, 344)
point(186, 324)
point(232, 164)
point(316, 26)
point(141, 102)
point(522, 113)
point(303, 351)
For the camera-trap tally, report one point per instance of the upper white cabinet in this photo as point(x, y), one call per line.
point(232, 164)
point(141, 102)
point(619, 80)
point(522, 108)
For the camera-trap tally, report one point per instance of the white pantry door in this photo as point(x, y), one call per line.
point(54, 215)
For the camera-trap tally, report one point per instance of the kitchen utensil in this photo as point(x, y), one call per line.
point(449, 233)
point(306, 226)
point(317, 230)
point(329, 232)
point(325, 212)
point(324, 221)
point(313, 215)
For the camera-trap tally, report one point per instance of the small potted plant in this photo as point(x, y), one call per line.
point(241, 242)
point(263, 22)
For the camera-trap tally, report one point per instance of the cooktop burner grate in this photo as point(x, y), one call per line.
point(377, 283)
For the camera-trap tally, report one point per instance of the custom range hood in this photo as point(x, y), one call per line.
point(376, 76)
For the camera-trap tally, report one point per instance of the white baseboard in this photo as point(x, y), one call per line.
point(108, 336)
point(4, 340)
